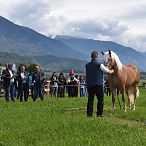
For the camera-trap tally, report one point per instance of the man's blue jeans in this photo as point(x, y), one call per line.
point(10, 91)
point(38, 91)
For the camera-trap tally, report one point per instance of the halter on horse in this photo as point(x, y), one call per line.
point(125, 78)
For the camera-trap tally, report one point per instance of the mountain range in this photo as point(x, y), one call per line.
point(25, 41)
point(127, 55)
point(61, 52)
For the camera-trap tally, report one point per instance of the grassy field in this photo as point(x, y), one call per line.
point(63, 122)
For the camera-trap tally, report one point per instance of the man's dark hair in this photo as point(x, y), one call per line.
point(9, 65)
point(94, 55)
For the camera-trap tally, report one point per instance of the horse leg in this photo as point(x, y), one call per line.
point(134, 104)
point(113, 100)
point(137, 91)
point(136, 94)
point(123, 97)
point(130, 97)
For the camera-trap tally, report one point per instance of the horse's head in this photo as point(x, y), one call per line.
point(108, 58)
point(112, 60)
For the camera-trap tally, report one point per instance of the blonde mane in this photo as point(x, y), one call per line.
point(115, 58)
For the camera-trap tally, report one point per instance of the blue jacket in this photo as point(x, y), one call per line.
point(94, 75)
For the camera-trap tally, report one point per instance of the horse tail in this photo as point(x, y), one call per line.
point(137, 91)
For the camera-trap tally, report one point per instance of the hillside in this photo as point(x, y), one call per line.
point(60, 63)
point(13, 58)
point(86, 46)
point(50, 62)
point(25, 41)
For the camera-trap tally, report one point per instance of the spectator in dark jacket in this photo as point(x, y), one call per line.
point(62, 83)
point(38, 80)
point(8, 76)
point(23, 83)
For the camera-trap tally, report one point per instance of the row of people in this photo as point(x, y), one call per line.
point(20, 82)
point(23, 82)
point(59, 85)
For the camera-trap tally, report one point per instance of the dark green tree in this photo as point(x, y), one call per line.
point(31, 67)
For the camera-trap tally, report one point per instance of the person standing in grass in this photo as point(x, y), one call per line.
point(54, 84)
point(30, 84)
point(72, 82)
point(38, 79)
point(94, 80)
point(8, 77)
point(23, 83)
point(62, 84)
point(107, 88)
point(82, 86)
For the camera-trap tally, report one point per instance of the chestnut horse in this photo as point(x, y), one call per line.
point(125, 78)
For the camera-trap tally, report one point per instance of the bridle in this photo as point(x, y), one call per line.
point(110, 63)
point(109, 59)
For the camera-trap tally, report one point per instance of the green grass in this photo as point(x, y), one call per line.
point(63, 122)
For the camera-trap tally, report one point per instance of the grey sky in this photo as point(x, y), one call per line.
point(122, 21)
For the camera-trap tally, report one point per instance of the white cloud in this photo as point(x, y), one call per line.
point(115, 20)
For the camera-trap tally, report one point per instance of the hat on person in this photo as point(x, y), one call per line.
point(72, 74)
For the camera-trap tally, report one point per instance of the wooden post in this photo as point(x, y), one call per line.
point(78, 89)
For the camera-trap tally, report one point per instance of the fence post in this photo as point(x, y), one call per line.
point(78, 89)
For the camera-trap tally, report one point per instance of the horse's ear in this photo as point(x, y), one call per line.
point(109, 53)
point(102, 53)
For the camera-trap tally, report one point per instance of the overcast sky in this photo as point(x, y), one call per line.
point(122, 21)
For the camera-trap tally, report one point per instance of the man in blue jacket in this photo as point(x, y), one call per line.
point(94, 80)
